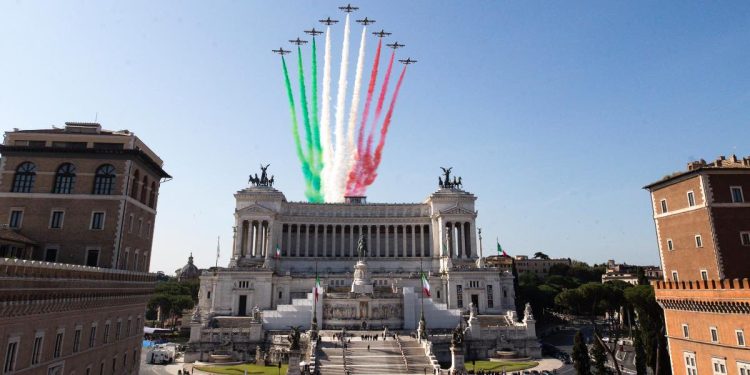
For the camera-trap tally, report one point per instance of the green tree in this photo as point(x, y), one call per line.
point(540, 255)
point(651, 323)
point(570, 301)
point(640, 355)
point(642, 279)
point(599, 356)
point(581, 360)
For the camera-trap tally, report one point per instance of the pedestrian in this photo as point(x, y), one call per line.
point(368, 347)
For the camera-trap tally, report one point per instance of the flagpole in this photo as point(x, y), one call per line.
point(314, 325)
point(218, 248)
point(421, 274)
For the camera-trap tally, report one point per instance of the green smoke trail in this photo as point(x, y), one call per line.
point(317, 153)
point(295, 132)
point(315, 119)
point(312, 192)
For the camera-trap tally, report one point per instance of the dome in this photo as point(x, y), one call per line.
point(188, 271)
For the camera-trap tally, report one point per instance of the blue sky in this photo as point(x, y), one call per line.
point(555, 113)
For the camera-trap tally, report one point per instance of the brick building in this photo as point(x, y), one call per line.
point(703, 231)
point(539, 267)
point(85, 195)
point(77, 207)
point(91, 325)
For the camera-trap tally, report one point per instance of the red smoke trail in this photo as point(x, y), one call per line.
point(358, 156)
point(381, 99)
point(373, 161)
point(370, 91)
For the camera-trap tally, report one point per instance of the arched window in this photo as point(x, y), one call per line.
point(24, 179)
point(104, 180)
point(64, 179)
point(152, 195)
point(134, 188)
point(144, 188)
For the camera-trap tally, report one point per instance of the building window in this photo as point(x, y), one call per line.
point(714, 334)
point(125, 261)
point(104, 180)
point(56, 219)
point(720, 366)
point(743, 368)
point(24, 179)
point(690, 366)
point(10, 356)
point(148, 229)
point(663, 206)
point(92, 258)
point(704, 275)
point(50, 255)
point(674, 276)
point(745, 238)
point(152, 195)
point(490, 297)
point(92, 336)
point(16, 218)
point(208, 295)
point(136, 265)
point(118, 329)
point(698, 241)
point(144, 189)
point(97, 220)
point(127, 328)
point(459, 296)
point(737, 196)
point(58, 345)
point(140, 226)
point(36, 350)
point(670, 245)
point(130, 224)
point(64, 179)
point(134, 188)
point(77, 340)
point(106, 333)
point(740, 337)
point(685, 331)
point(691, 199)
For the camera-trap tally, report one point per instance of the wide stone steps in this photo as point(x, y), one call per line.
point(383, 357)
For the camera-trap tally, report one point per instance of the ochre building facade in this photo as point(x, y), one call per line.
point(702, 223)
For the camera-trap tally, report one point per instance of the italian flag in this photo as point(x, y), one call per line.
point(500, 250)
point(425, 285)
point(278, 252)
point(318, 289)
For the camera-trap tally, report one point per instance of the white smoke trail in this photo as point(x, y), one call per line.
point(349, 151)
point(336, 188)
point(325, 120)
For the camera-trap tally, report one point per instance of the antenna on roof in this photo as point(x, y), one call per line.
point(96, 117)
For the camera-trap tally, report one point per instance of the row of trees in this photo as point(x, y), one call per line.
point(172, 299)
point(594, 300)
point(577, 290)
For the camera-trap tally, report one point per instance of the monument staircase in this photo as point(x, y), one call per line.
point(299, 313)
point(403, 355)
